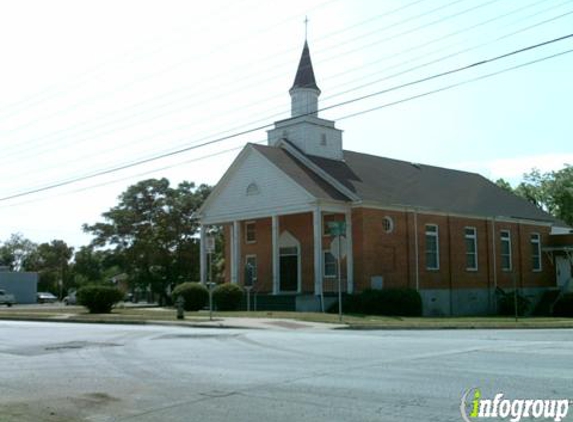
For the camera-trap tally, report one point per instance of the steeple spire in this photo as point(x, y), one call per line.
point(305, 73)
point(309, 133)
point(304, 91)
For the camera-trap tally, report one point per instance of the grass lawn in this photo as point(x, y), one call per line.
point(135, 315)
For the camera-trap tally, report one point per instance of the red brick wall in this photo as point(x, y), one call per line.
point(377, 253)
point(299, 225)
point(392, 255)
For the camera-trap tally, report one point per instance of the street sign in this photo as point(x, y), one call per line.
point(334, 246)
point(210, 243)
point(337, 228)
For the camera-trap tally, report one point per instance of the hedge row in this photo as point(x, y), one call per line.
point(390, 302)
point(226, 297)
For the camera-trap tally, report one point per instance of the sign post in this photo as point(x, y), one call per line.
point(338, 229)
point(210, 249)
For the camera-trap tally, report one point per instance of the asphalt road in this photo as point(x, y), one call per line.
point(80, 372)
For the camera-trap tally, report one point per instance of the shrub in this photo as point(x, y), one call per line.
point(543, 307)
point(227, 297)
point(351, 304)
point(564, 306)
point(194, 294)
point(99, 299)
point(391, 302)
point(506, 304)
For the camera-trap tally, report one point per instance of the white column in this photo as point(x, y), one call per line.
point(236, 252)
point(275, 252)
point(202, 255)
point(231, 252)
point(317, 225)
point(349, 255)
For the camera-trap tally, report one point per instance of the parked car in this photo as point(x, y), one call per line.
point(46, 297)
point(70, 299)
point(6, 299)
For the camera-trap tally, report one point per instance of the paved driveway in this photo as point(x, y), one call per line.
point(80, 372)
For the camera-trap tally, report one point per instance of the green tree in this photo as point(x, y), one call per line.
point(551, 191)
point(52, 262)
point(15, 251)
point(152, 233)
point(504, 184)
point(92, 266)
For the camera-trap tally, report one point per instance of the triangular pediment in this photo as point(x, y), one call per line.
point(253, 187)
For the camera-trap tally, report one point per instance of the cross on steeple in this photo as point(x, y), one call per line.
point(305, 28)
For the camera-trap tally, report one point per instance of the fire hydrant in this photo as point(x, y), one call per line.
point(180, 302)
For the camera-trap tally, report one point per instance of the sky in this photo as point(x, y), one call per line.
point(90, 87)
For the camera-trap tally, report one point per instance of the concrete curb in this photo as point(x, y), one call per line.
point(270, 324)
point(256, 325)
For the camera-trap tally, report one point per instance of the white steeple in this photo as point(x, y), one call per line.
point(304, 129)
point(304, 92)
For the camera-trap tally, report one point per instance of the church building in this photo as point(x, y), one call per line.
point(301, 211)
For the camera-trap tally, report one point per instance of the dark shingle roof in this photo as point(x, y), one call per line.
point(400, 183)
point(301, 174)
point(305, 74)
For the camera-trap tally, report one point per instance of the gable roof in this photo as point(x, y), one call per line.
point(301, 174)
point(400, 183)
point(305, 74)
point(397, 183)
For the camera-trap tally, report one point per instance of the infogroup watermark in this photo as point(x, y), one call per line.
point(474, 407)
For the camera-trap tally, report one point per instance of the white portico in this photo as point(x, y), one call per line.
point(268, 216)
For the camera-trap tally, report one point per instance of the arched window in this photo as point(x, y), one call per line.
point(252, 189)
point(388, 224)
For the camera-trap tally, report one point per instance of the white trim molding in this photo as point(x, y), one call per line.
point(236, 259)
point(203, 254)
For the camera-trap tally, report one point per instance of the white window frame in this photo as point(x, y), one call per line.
point(255, 272)
point(254, 225)
point(388, 224)
point(436, 234)
point(505, 236)
point(535, 241)
point(324, 253)
point(472, 237)
point(252, 189)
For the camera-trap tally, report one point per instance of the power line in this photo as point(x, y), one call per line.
point(161, 115)
point(138, 175)
point(263, 71)
point(96, 69)
point(215, 49)
point(360, 98)
point(455, 85)
point(246, 125)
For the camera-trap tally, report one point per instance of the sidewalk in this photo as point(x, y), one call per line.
point(258, 323)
